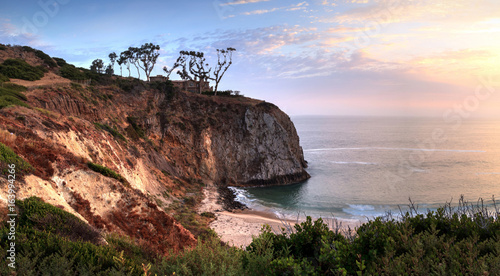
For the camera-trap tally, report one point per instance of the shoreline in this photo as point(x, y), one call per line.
point(239, 226)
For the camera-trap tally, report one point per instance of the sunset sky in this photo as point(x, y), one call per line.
point(318, 57)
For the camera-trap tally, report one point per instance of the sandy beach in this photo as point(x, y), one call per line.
point(238, 227)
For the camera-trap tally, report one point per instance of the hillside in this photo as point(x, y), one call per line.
point(125, 155)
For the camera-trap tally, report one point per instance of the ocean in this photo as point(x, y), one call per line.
point(363, 167)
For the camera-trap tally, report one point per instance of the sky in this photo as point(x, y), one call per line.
point(438, 58)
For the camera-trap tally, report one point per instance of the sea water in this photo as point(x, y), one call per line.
point(363, 167)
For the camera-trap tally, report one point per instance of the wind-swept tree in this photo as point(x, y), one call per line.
point(181, 60)
point(133, 58)
point(112, 58)
point(224, 60)
point(120, 63)
point(193, 67)
point(147, 56)
point(97, 66)
point(109, 70)
point(125, 59)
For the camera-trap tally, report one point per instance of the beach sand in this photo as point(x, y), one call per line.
point(238, 227)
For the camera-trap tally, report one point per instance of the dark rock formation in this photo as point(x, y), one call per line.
point(232, 141)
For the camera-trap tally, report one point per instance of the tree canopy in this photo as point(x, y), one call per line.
point(224, 60)
point(147, 55)
point(97, 66)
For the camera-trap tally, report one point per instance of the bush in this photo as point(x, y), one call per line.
point(60, 62)
point(9, 100)
point(13, 90)
point(10, 95)
point(47, 218)
point(41, 55)
point(3, 47)
point(207, 258)
point(165, 87)
point(111, 130)
point(71, 72)
point(107, 172)
point(135, 131)
point(444, 242)
point(8, 156)
point(3, 78)
point(50, 241)
point(20, 69)
point(130, 85)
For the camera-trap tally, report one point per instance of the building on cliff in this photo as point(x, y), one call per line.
point(186, 85)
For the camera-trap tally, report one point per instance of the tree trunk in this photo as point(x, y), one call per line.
point(216, 86)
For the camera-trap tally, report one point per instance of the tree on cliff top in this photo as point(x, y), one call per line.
point(178, 63)
point(112, 58)
point(147, 55)
point(125, 59)
point(133, 58)
point(224, 60)
point(97, 66)
point(193, 67)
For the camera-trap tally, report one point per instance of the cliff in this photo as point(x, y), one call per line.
point(231, 141)
point(165, 144)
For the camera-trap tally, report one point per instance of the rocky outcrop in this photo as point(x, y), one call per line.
point(232, 141)
point(227, 140)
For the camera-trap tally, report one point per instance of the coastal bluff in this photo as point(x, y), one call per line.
point(231, 141)
point(133, 157)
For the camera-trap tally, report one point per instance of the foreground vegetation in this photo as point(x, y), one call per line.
point(461, 241)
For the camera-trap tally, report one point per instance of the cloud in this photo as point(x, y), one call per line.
point(11, 34)
point(261, 11)
point(262, 41)
point(242, 2)
point(293, 7)
point(328, 3)
point(459, 11)
point(342, 29)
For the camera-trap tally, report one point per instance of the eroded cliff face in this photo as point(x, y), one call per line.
point(231, 141)
point(165, 143)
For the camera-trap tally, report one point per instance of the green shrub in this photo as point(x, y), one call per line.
point(3, 47)
point(16, 88)
point(20, 69)
point(165, 87)
point(135, 132)
point(9, 100)
point(3, 78)
point(12, 90)
point(60, 62)
point(111, 130)
point(41, 55)
point(208, 215)
point(50, 241)
point(207, 258)
point(442, 242)
point(8, 156)
point(10, 95)
point(71, 72)
point(107, 172)
point(76, 86)
point(47, 218)
point(130, 85)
